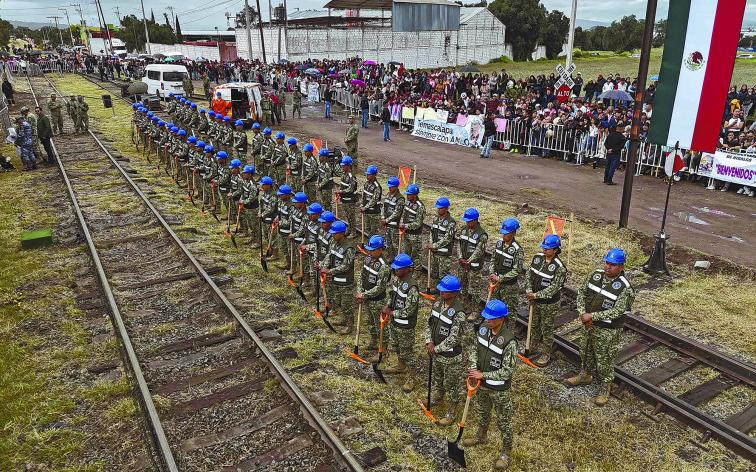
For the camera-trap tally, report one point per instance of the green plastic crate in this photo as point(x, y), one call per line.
point(35, 239)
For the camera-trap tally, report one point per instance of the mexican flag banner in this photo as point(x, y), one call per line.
point(699, 54)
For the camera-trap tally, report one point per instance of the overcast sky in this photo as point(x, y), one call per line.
point(206, 14)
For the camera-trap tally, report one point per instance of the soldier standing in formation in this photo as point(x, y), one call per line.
point(370, 206)
point(309, 178)
point(55, 110)
point(402, 307)
point(296, 107)
point(283, 221)
point(240, 141)
point(374, 280)
point(338, 265)
point(441, 241)
point(310, 246)
point(391, 213)
point(411, 224)
point(350, 140)
point(294, 164)
point(250, 202)
point(471, 247)
point(268, 211)
point(346, 195)
point(257, 141)
point(505, 268)
point(325, 179)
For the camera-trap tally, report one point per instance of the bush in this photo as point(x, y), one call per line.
point(577, 53)
point(502, 60)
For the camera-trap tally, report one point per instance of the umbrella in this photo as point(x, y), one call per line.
point(170, 59)
point(283, 61)
point(654, 78)
point(395, 63)
point(369, 63)
point(333, 75)
point(200, 59)
point(359, 82)
point(301, 67)
point(616, 95)
point(313, 70)
point(469, 68)
point(345, 71)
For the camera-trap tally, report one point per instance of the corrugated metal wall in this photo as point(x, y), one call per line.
point(411, 17)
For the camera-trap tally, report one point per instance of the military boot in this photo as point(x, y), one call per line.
point(583, 378)
point(602, 398)
point(346, 329)
point(374, 358)
point(543, 360)
point(409, 383)
point(479, 438)
point(400, 368)
point(436, 398)
point(451, 415)
point(372, 345)
point(502, 463)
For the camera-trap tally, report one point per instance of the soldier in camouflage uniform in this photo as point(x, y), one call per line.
point(206, 86)
point(371, 295)
point(411, 224)
point(240, 143)
point(351, 140)
point(391, 213)
point(207, 172)
point(296, 108)
point(188, 86)
point(402, 306)
point(471, 247)
point(257, 141)
point(55, 110)
point(325, 180)
point(268, 211)
point(604, 301)
point(250, 203)
point(309, 178)
point(505, 268)
point(285, 208)
point(170, 107)
point(492, 361)
point(195, 166)
point(370, 207)
point(195, 119)
point(294, 164)
point(441, 241)
point(31, 118)
point(202, 123)
point(339, 266)
point(222, 180)
point(282, 102)
point(226, 135)
point(544, 285)
point(443, 341)
point(298, 229)
point(266, 149)
point(234, 194)
point(181, 151)
point(278, 159)
point(310, 246)
point(347, 196)
point(266, 104)
point(324, 243)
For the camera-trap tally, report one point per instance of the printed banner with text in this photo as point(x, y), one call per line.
point(471, 134)
point(729, 167)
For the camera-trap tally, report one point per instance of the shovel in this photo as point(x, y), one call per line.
point(202, 210)
point(297, 287)
point(430, 259)
point(318, 313)
point(215, 203)
point(355, 352)
point(263, 262)
point(531, 308)
point(384, 319)
point(401, 240)
point(190, 188)
point(455, 453)
point(427, 410)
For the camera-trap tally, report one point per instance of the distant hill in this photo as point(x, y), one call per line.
point(588, 24)
point(29, 24)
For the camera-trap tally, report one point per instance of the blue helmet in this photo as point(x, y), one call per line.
point(392, 181)
point(308, 147)
point(300, 197)
point(266, 181)
point(267, 131)
point(412, 189)
point(510, 225)
point(193, 106)
point(323, 152)
point(174, 129)
point(442, 202)
point(551, 241)
point(178, 97)
point(291, 141)
point(280, 135)
point(201, 144)
point(226, 119)
point(371, 170)
point(209, 148)
point(182, 100)
point(284, 190)
point(181, 132)
point(134, 105)
point(495, 309)
point(234, 163)
point(170, 94)
point(471, 214)
point(218, 93)
point(327, 217)
point(211, 114)
point(449, 284)
point(249, 169)
point(191, 139)
point(256, 125)
point(154, 119)
point(338, 226)
point(150, 114)
point(219, 116)
point(222, 155)
point(615, 256)
point(161, 122)
point(202, 110)
point(238, 123)
point(346, 161)
point(315, 208)
point(401, 261)
point(375, 242)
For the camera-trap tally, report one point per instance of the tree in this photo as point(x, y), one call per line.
point(6, 29)
point(152, 16)
point(178, 31)
point(660, 33)
point(132, 33)
point(523, 18)
point(241, 18)
point(582, 40)
point(481, 3)
point(167, 20)
point(554, 33)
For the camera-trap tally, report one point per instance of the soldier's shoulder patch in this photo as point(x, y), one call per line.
point(500, 340)
point(405, 286)
point(552, 266)
point(617, 284)
point(482, 330)
point(536, 260)
point(475, 235)
point(511, 250)
point(451, 311)
point(445, 222)
point(596, 276)
point(341, 250)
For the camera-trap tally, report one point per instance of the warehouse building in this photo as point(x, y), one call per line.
point(339, 34)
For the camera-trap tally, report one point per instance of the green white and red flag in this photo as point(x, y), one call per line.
point(699, 54)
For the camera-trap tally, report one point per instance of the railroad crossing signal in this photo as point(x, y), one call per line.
point(564, 76)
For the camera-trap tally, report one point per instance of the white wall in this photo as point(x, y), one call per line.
point(481, 39)
point(208, 52)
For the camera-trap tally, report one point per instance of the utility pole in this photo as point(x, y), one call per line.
point(640, 91)
point(571, 37)
point(286, 30)
point(217, 34)
point(146, 31)
point(60, 33)
point(77, 7)
point(70, 30)
point(118, 14)
point(262, 35)
point(247, 21)
point(105, 24)
point(173, 17)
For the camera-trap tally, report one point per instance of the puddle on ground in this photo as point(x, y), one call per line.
point(735, 238)
point(690, 218)
point(713, 211)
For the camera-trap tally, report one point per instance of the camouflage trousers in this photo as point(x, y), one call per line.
point(509, 294)
point(295, 182)
point(311, 277)
point(472, 289)
point(501, 401)
point(296, 110)
point(542, 332)
point(352, 152)
point(241, 155)
point(440, 266)
point(325, 197)
point(268, 239)
point(341, 298)
point(371, 224)
point(284, 248)
point(278, 174)
point(310, 190)
point(347, 214)
point(449, 377)
point(598, 349)
point(249, 223)
point(403, 343)
point(392, 243)
point(412, 246)
point(57, 122)
point(371, 311)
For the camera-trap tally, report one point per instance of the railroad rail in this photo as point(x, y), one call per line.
point(171, 321)
point(733, 431)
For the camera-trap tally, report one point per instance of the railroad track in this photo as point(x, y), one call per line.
point(213, 396)
point(687, 354)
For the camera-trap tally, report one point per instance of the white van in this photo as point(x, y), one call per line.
point(162, 79)
point(244, 97)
